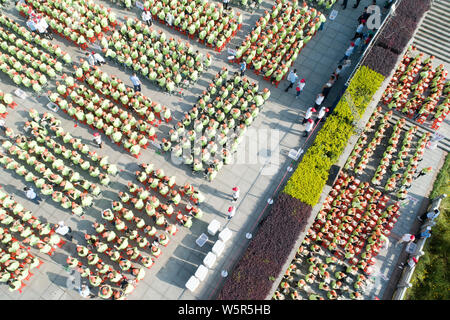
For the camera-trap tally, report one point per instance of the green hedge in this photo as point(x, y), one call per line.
point(431, 278)
point(311, 175)
point(363, 86)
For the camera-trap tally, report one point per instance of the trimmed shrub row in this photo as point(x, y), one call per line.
point(396, 35)
point(253, 276)
point(381, 59)
point(308, 180)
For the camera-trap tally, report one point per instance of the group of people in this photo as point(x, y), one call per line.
point(19, 230)
point(399, 155)
point(80, 21)
point(23, 61)
point(417, 90)
point(336, 256)
point(278, 37)
point(32, 37)
point(63, 183)
point(211, 131)
point(37, 23)
point(6, 100)
point(165, 61)
point(322, 111)
point(207, 20)
point(362, 37)
point(101, 113)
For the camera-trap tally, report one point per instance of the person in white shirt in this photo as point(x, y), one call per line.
point(348, 52)
point(308, 127)
point(359, 29)
point(147, 17)
point(319, 99)
point(231, 212)
point(42, 27)
point(90, 58)
point(136, 82)
point(2, 124)
point(300, 85)
point(63, 230)
point(407, 237)
point(30, 194)
point(308, 114)
point(99, 60)
point(31, 25)
point(85, 292)
point(169, 18)
point(98, 139)
point(322, 113)
point(292, 78)
point(235, 194)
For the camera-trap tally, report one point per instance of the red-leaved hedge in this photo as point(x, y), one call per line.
point(414, 9)
point(267, 252)
point(382, 60)
point(395, 36)
point(397, 33)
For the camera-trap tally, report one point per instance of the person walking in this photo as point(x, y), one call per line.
point(429, 215)
point(85, 292)
point(344, 4)
point(2, 124)
point(64, 230)
point(356, 4)
point(425, 234)
point(243, 67)
point(98, 140)
point(147, 17)
point(90, 58)
point(308, 114)
point(300, 85)
point(30, 194)
point(364, 16)
point(424, 171)
point(99, 60)
point(235, 194)
point(338, 71)
point(319, 99)
point(231, 212)
point(308, 127)
point(322, 114)
point(326, 89)
point(292, 78)
point(225, 4)
point(136, 82)
point(359, 30)
point(407, 237)
point(348, 52)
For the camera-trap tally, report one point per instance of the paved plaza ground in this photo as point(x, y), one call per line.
point(277, 130)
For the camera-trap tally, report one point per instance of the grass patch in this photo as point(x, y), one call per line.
point(431, 278)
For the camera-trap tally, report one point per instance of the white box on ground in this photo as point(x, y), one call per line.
point(225, 235)
point(213, 227)
point(192, 283)
point(201, 272)
point(201, 240)
point(218, 247)
point(209, 260)
point(21, 94)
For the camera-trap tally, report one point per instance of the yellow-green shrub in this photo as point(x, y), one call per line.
point(311, 175)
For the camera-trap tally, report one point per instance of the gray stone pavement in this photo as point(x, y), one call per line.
point(278, 120)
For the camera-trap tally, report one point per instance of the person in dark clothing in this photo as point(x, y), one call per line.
point(356, 4)
point(344, 4)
